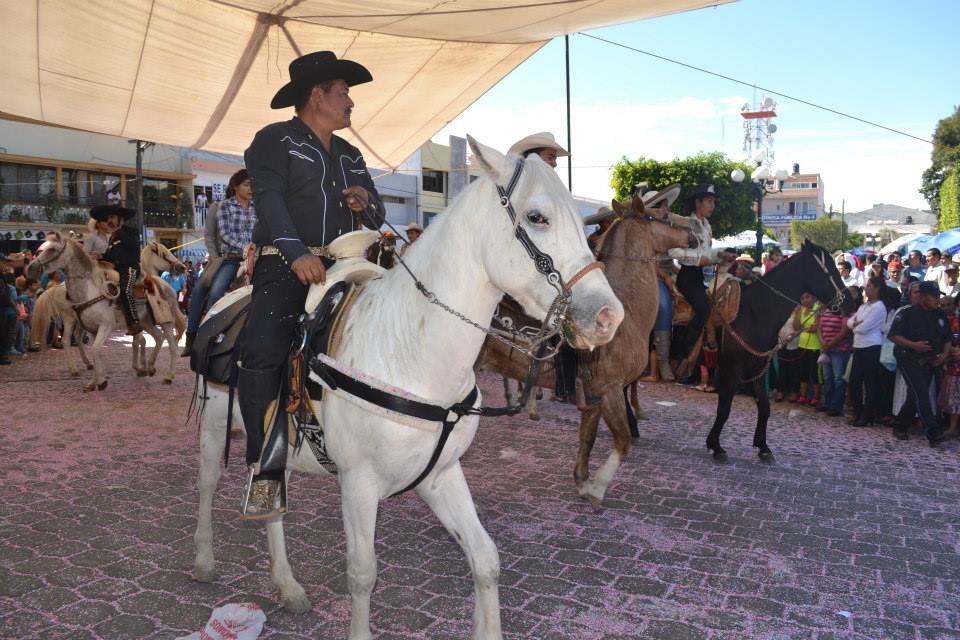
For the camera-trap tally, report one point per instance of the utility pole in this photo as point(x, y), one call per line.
point(566, 42)
point(141, 147)
point(843, 224)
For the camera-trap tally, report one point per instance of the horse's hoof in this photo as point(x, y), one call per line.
point(204, 574)
point(102, 386)
point(89, 387)
point(168, 381)
point(151, 372)
point(298, 603)
point(534, 416)
point(596, 503)
point(766, 455)
point(89, 367)
point(719, 455)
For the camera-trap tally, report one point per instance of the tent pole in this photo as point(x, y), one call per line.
point(566, 43)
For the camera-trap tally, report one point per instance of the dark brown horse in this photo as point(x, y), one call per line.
point(748, 342)
point(629, 251)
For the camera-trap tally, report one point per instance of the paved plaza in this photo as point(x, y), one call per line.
point(850, 534)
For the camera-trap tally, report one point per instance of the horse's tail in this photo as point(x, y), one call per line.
point(43, 312)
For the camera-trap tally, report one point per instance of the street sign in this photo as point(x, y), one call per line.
point(786, 218)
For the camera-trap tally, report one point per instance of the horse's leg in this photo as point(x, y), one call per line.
point(292, 595)
point(158, 337)
point(449, 497)
point(613, 408)
point(213, 423)
point(169, 333)
point(359, 502)
point(728, 378)
point(507, 394)
point(98, 381)
point(81, 334)
point(532, 406)
point(763, 415)
point(139, 359)
point(589, 420)
point(68, 329)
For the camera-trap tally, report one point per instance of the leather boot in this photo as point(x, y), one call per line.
point(258, 395)
point(661, 341)
point(188, 346)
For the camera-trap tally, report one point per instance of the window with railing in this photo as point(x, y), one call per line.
point(26, 182)
point(433, 181)
point(91, 188)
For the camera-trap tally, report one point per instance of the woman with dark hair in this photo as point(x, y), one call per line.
point(235, 220)
point(867, 327)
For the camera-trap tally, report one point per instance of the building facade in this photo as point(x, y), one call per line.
point(800, 199)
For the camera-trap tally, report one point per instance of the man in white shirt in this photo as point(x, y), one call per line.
point(701, 204)
point(951, 272)
point(935, 271)
point(850, 278)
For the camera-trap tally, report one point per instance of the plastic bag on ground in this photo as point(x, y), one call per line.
point(234, 621)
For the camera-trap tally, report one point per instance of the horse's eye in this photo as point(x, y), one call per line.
point(535, 217)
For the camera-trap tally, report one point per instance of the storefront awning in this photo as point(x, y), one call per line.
point(200, 73)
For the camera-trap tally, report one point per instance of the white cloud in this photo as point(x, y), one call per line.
point(857, 164)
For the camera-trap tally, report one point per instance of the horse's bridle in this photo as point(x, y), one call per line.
point(43, 263)
point(542, 261)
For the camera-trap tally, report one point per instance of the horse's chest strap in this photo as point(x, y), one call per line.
point(336, 379)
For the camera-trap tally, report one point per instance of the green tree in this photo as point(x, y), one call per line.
point(734, 212)
point(950, 201)
point(945, 156)
point(824, 232)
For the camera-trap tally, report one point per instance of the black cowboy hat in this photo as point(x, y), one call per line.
point(314, 68)
point(101, 212)
point(703, 191)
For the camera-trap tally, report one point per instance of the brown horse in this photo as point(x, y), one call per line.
point(629, 250)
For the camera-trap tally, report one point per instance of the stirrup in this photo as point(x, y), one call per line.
point(264, 498)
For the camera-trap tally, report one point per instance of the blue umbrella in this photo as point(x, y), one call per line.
point(948, 241)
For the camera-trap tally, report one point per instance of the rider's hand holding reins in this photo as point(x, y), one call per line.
point(309, 269)
point(357, 198)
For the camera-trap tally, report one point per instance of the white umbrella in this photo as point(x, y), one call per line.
point(899, 243)
point(743, 239)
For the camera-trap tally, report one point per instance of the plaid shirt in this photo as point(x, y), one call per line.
point(235, 225)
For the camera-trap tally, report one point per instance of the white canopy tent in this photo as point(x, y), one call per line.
point(200, 73)
point(743, 239)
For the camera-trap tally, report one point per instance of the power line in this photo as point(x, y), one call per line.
point(752, 85)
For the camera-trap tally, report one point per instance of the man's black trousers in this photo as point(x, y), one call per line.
point(690, 284)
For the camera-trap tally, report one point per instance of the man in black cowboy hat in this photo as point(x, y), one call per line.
point(123, 250)
point(308, 186)
point(701, 205)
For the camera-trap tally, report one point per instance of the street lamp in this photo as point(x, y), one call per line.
point(763, 184)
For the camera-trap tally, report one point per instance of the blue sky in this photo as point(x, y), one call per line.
point(891, 62)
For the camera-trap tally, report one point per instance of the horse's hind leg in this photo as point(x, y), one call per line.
point(532, 410)
point(359, 502)
point(213, 424)
point(170, 334)
point(507, 394)
point(763, 415)
point(613, 408)
point(98, 381)
point(449, 497)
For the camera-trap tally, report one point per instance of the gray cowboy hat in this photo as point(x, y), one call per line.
point(314, 68)
point(104, 211)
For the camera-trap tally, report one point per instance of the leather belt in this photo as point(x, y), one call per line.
point(270, 250)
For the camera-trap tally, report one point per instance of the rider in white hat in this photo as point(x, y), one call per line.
point(543, 144)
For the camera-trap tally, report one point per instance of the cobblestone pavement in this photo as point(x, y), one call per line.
point(850, 534)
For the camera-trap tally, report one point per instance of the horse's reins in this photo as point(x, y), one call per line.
point(834, 304)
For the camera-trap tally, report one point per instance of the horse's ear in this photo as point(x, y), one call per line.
point(489, 159)
point(619, 208)
point(637, 205)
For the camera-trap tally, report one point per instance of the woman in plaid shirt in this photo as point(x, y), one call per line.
point(235, 221)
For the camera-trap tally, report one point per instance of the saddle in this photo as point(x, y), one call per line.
point(146, 288)
point(724, 295)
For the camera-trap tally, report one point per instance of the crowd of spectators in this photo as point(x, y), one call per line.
point(894, 361)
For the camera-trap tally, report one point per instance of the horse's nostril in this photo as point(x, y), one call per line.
point(607, 320)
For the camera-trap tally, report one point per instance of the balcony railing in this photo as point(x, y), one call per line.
point(164, 216)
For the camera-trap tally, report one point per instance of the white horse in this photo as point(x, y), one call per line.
point(86, 283)
point(468, 257)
